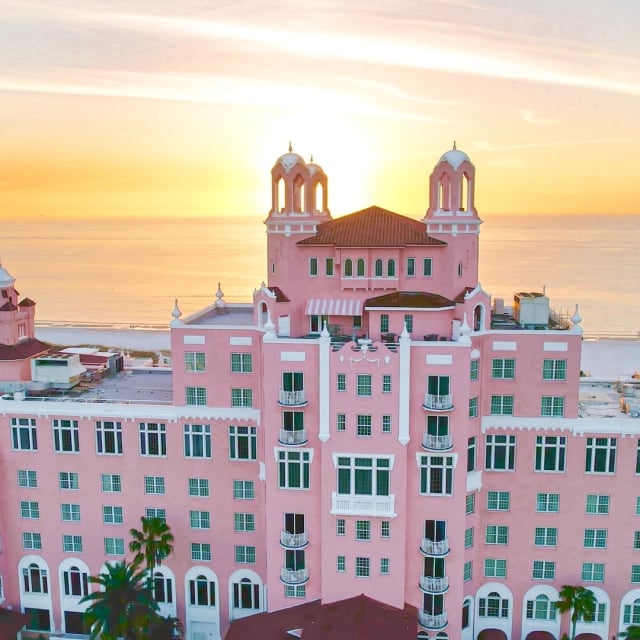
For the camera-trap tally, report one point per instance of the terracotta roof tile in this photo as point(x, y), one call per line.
point(22, 350)
point(411, 299)
point(280, 297)
point(8, 306)
point(26, 302)
point(11, 622)
point(372, 227)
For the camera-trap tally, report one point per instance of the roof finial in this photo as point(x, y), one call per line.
point(454, 145)
point(311, 158)
point(290, 147)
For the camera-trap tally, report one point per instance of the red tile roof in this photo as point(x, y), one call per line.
point(26, 302)
point(11, 622)
point(410, 299)
point(372, 227)
point(358, 618)
point(280, 297)
point(22, 350)
point(8, 306)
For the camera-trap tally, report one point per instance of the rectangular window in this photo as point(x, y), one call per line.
point(386, 383)
point(474, 370)
point(408, 322)
point(341, 527)
point(601, 455)
point(498, 500)
point(552, 406)
point(546, 537)
point(470, 503)
point(385, 529)
point(593, 571)
point(196, 396)
point(548, 502)
point(153, 439)
point(244, 522)
point(243, 442)
point(29, 509)
point(23, 434)
point(200, 551)
point(197, 441)
point(503, 369)
point(154, 485)
point(242, 397)
point(114, 546)
point(543, 570)
point(495, 568)
point(363, 569)
point(554, 370)
point(194, 361)
point(384, 566)
point(468, 538)
point(341, 564)
point(468, 571)
point(384, 323)
point(66, 437)
point(427, 267)
point(636, 539)
point(550, 453)
point(638, 506)
point(356, 322)
point(471, 453)
point(72, 544)
point(328, 266)
point(298, 591)
point(363, 385)
point(363, 530)
point(241, 363)
point(108, 437)
point(497, 534)
point(111, 482)
point(243, 490)
point(199, 487)
point(27, 478)
point(155, 512)
point(199, 519)
point(31, 540)
point(313, 266)
point(245, 554)
point(597, 504)
point(595, 539)
point(70, 512)
point(501, 405)
point(500, 453)
point(363, 426)
point(341, 422)
point(112, 515)
point(341, 384)
point(68, 480)
point(363, 476)
point(294, 469)
point(473, 407)
point(386, 424)
point(635, 577)
point(436, 475)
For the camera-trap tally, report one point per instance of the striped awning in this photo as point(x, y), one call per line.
point(328, 307)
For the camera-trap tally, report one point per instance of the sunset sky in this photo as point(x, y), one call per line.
point(160, 107)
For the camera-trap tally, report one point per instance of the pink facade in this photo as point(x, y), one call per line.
point(371, 423)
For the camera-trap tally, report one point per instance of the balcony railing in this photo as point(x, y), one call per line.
point(293, 540)
point(294, 576)
point(435, 402)
point(436, 443)
point(434, 547)
point(292, 398)
point(349, 505)
point(434, 585)
point(293, 438)
point(430, 621)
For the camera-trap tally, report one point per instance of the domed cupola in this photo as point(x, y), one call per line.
point(6, 280)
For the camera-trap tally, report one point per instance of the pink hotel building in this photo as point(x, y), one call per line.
point(371, 423)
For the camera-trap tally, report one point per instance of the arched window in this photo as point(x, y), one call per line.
point(202, 592)
point(246, 595)
point(76, 582)
point(35, 579)
point(280, 196)
point(378, 268)
point(442, 636)
point(360, 268)
point(541, 609)
point(163, 588)
point(348, 268)
point(631, 612)
point(391, 269)
point(493, 606)
point(478, 317)
point(466, 614)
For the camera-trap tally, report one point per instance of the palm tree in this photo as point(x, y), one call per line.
point(632, 632)
point(580, 601)
point(124, 605)
point(151, 545)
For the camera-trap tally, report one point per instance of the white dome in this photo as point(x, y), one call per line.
point(5, 278)
point(290, 160)
point(455, 157)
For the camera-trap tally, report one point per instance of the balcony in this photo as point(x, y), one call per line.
point(436, 443)
point(294, 576)
point(349, 505)
point(293, 438)
point(434, 547)
point(293, 540)
point(292, 398)
point(434, 402)
point(430, 621)
point(428, 584)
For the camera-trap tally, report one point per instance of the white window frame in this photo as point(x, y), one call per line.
point(69, 512)
point(154, 485)
point(550, 454)
point(68, 481)
point(199, 519)
point(113, 546)
point(153, 439)
point(554, 369)
point(112, 514)
point(594, 449)
point(66, 436)
point(108, 438)
point(195, 396)
point(242, 362)
point(111, 483)
point(545, 502)
point(500, 452)
point(198, 487)
point(243, 442)
point(197, 441)
point(24, 434)
point(195, 361)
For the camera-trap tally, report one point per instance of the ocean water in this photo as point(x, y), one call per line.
point(128, 272)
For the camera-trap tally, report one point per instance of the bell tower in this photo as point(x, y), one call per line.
point(17, 319)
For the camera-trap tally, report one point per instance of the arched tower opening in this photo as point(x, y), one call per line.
point(444, 193)
point(299, 189)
